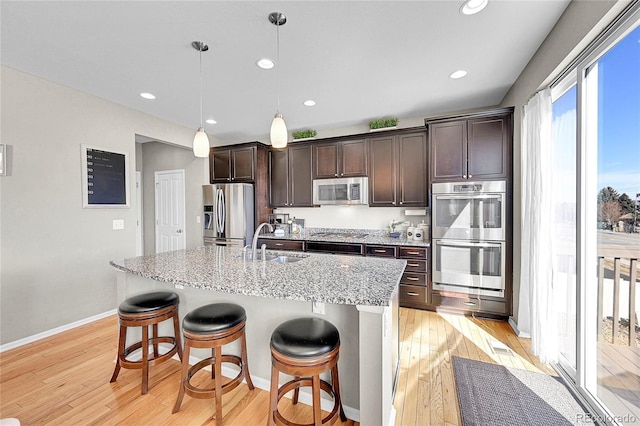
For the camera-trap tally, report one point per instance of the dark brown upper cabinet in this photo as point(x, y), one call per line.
point(233, 164)
point(346, 158)
point(398, 170)
point(290, 179)
point(476, 147)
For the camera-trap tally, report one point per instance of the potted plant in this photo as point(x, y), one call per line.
point(383, 123)
point(305, 134)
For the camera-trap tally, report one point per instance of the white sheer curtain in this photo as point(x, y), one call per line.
point(536, 284)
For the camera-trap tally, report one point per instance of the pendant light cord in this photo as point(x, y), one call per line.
point(278, 60)
point(200, 49)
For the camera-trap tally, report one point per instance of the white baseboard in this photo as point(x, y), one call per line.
point(54, 331)
point(519, 333)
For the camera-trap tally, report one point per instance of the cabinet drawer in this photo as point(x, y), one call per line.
point(412, 253)
point(381, 251)
point(469, 304)
point(414, 279)
point(416, 266)
point(281, 244)
point(413, 294)
point(335, 248)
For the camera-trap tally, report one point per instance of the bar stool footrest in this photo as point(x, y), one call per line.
point(201, 393)
point(306, 382)
point(155, 359)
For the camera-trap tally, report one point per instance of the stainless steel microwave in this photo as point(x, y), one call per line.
point(341, 191)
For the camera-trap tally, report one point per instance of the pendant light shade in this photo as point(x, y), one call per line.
point(201, 140)
point(279, 134)
point(201, 144)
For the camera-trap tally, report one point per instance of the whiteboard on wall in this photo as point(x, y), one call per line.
point(105, 175)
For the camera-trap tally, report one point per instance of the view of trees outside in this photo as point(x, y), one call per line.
point(618, 212)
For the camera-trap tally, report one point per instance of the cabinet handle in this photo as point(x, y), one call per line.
point(401, 202)
point(279, 244)
point(470, 176)
point(413, 252)
point(336, 175)
point(469, 303)
point(413, 279)
point(464, 176)
point(412, 293)
point(379, 251)
point(415, 265)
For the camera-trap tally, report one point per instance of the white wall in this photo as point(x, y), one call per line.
point(581, 22)
point(54, 254)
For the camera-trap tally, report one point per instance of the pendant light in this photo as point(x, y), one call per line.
point(201, 140)
point(279, 133)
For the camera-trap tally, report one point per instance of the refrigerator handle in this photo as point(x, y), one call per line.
point(221, 212)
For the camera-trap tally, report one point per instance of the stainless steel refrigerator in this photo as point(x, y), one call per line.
point(228, 214)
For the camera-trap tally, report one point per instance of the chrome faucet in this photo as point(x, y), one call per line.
point(255, 238)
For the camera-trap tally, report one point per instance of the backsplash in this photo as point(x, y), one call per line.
point(351, 217)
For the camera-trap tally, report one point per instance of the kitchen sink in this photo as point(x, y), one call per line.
point(288, 259)
point(249, 256)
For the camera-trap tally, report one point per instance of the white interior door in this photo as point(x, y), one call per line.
point(170, 210)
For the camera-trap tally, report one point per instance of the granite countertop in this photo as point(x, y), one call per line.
point(373, 236)
point(347, 280)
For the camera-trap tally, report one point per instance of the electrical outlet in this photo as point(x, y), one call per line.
point(317, 307)
point(197, 219)
point(118, 223)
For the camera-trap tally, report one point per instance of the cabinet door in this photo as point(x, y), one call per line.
point(353, 158)
point(382, 176)
point(325, 163)
point(488, 147)
point(221, 165)
point(448, 152)
point(300, 180)
point(243, 164)
point(279, 178)
point(412, 170)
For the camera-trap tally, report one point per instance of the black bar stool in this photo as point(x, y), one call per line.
point(142, 311)
point(213, 326)
point(305, 348)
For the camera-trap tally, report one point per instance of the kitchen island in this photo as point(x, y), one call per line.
point(359, 295)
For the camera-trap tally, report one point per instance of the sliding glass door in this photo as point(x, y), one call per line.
point(564, 219)
point(596, 222)
point(611, 111)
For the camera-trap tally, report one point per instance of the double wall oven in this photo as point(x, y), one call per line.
point(468, 236)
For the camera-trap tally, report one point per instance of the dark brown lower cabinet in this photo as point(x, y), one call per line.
point(274, 244)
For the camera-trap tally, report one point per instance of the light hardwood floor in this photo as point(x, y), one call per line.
point(64, 379)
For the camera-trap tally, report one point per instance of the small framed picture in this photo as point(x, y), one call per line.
point(3, 160)
point(104, 178)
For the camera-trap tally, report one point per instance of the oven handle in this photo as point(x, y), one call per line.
point(469, 196)
point(467, 244)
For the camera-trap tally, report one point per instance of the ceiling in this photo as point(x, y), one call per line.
point(359, 60)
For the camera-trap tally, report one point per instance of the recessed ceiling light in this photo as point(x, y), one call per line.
point(147, 95)
point(309, 102)
point(211, 121)
point(471, 7)
point(265, 63)
point(458, 74)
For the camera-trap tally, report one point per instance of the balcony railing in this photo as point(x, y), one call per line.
point(618, 266)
